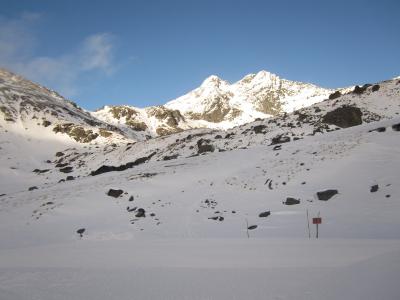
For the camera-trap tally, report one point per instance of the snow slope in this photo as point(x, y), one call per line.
point(200, 190)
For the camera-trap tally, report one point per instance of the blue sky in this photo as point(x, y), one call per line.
point(148, 52)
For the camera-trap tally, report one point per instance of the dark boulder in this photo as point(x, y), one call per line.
point(115, 193)
point(33, 188)
point(379, 129)
point(277, 147)
point(345, 116)
point(170, 157)
point(326, 195)
point(37, 171)
point(141, 213)
point(66, 170)
point(252, 227)
point(81, 231)
point(374, 188)
point(264, 214)
point(259, 129)
point(280, 139)
point(291, 201)
point(335, 95)
point(59, 154)
point(70, 178)
point(61, 165)
point(359, 90)
point(396, 127)
point(204, 145)
point(375, 87)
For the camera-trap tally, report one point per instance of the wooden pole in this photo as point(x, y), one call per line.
point(308, 224)
point(317, 230)
point(247, 228)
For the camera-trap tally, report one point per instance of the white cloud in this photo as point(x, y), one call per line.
point(62, 72)
point(97, 53)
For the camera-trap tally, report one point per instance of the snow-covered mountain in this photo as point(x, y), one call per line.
point(185, 215)
point(218, 104)
point(215, 104)
point(255, 96)
point(30, 109)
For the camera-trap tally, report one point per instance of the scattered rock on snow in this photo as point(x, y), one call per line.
point(326, 195)
point(204, 146)
point(81, 231)
point(264, 214)
point(345, 116)
point(379, 129)
point(170, 157)
point(291, 201)
point(37, 171)
point(141, 213)
point(259, 129)
point(396, 127)
point(374, 188)
point(115, 193)
point(277, 147)
point(66, 170)
point(33, 188)
point(280, 139)
point(252, 227)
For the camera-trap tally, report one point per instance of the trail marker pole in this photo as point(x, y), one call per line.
point(317, 221)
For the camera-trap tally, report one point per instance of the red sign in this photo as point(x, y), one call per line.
point(317, 220)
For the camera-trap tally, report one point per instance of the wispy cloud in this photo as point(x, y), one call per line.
point(62, 72)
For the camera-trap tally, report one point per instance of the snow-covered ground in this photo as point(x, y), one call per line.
point(212, 224)
point(179, 253)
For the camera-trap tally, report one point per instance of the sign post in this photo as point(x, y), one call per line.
point(317, 221)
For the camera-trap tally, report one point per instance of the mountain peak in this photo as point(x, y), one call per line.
point(213, 81)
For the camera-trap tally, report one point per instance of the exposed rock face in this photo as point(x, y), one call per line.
point(78, 133)
point(170, 116)
point(345, 116)
point(137, 125)
point(119, 112)
point(106, 169)
point(104, 133)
